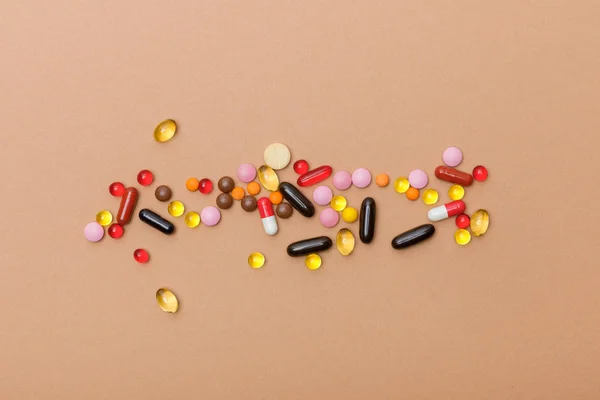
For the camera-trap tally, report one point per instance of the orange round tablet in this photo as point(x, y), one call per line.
point(237, 193)
point(276, 197)
point(382, 180)
point(192, 184)
point(253, 188)
point(412, 193)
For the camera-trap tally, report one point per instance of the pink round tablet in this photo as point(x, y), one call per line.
point(452, 156)
point(246, 173)
point(418, 179)
point(329, 217)
point(322, 195)
point(342, 180)
point(210, 216)
point(361, 178)
point(94, 232)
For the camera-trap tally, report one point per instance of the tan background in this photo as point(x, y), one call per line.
point(387, 86)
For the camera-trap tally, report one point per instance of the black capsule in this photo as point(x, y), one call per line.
point(309, 246)
point(156, 221)
point(366, 228)
point(413, 236)
point(297, 199)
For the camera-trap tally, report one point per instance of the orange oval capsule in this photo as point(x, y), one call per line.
point(315, 176)
point(128, 202)
point(453, 175)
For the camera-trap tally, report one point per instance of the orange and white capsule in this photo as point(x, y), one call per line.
point(446, 211)
point(265, 209)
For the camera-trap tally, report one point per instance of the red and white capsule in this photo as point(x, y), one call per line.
point(265, 209)
point(447, 210)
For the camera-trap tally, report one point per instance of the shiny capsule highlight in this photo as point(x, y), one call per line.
point(167, 301)
point(345, 241)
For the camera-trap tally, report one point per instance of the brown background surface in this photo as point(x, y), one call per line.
point(384, 85)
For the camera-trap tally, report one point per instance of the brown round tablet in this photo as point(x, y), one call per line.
point(284, 210)
point(163, 193)
point(249, 203)
point(226, 184)
point(224, 201)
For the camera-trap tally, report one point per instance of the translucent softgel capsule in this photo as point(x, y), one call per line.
point(313, 261)
point(401, 184)
point(268, 178)
point(192, 219)
point(167, 301)
point(104, 218)
point(430, 196)
point(339, 203)
point(176, 208)
point(462, 237)
point(256, 260)
point(480, 221)
point(345, 241)
point(165, 131)
point(456, 192)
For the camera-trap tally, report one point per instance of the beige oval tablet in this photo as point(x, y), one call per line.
point(277, 156)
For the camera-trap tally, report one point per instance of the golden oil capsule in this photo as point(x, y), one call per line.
point(268, 178)
point(480, 221)
point(165, 131)
point(345, 241)
point(167, 301)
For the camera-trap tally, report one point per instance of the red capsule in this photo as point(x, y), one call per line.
point(315, 176)
point(265, 209)
point(453, 175)
point(127, 206)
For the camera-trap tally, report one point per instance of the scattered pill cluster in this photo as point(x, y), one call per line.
point(282, 199)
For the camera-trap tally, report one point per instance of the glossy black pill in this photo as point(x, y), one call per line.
point(366, 228)
point(156, 221)
point(413, 236)
point(297, 199)
point(309, 246)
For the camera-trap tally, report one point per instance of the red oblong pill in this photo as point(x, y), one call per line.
point(128, 202)
point(315, 176)
point(453, 175)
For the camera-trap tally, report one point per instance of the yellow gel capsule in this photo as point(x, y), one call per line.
point(167, 301)
point(104, 218)
point(338, 203)
point(313, 261)
point(350, 214)
point(430, 196)
point(256, 260)
point(345, 241)
point(456, 192)
point(480, 221)
point(401, 184)
point(176, 208)
point(165, 131)
point(192, 219)
point(268, 178)
point(462, 237)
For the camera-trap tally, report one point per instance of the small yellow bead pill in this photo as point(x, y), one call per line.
point(339, 203)
point(313, 261)
point(430, 196)
point(104, 218)
point(462, 237)
point(256, 260)
point(350, 214)
point(456, 192)
point(192, 219)
point(401, 184)
point(176, 208)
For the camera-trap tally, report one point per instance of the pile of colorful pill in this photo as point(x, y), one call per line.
point(284, 197)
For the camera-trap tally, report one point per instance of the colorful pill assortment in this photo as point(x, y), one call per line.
point(282, 198)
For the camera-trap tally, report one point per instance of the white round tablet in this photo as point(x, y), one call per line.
point(277, 156)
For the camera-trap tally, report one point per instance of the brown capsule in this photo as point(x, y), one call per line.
point(453, 175)
point(249, 203)
point(128, 202)
point(226, 184)
point(163, 193)
point(224, 201)
point(284, 210)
